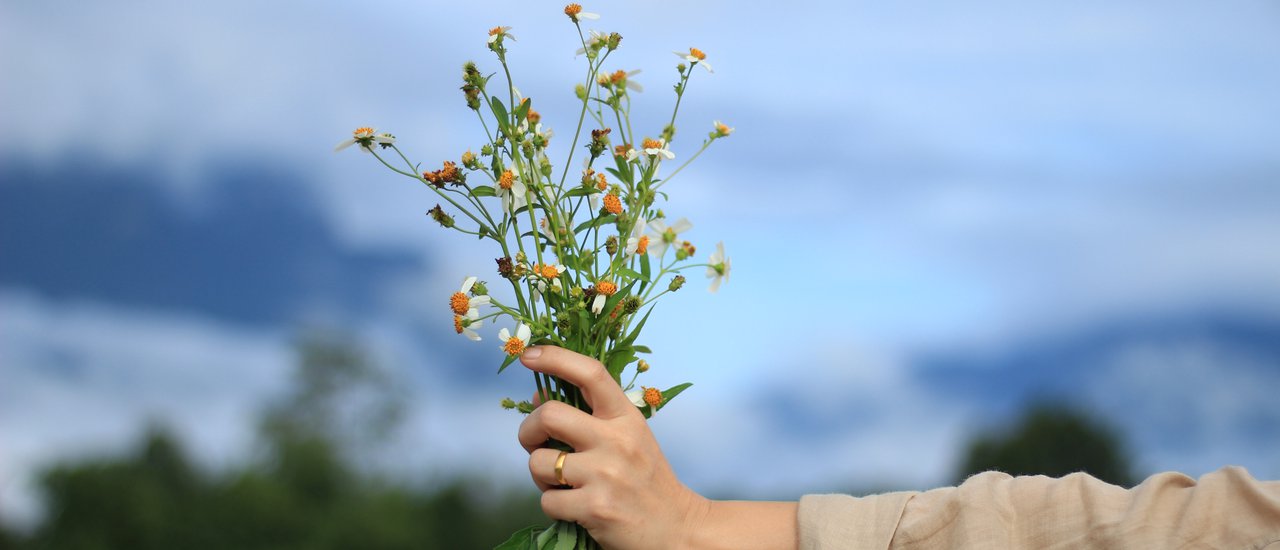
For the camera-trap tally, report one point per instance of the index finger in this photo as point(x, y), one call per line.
point(602, 393)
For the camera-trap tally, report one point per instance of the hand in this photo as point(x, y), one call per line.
point(623, 490)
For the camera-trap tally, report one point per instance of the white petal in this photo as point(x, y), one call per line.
point(344, 145)
point(715, 284)
point(466, 284)
point(635, 85)
point(720, 249)
point(658, 226)
point(726, 269)
point(504, 334)
point(636, 397)
point(588, 15)
point(480, 301)
point(711, 272)
point(523, 333)
point(598, 304)
point(706, 66)
point(471, 334)
point(667, 154)
point(682, 225)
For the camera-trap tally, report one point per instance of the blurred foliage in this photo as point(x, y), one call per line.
point(306, 490)
point(1052, 440)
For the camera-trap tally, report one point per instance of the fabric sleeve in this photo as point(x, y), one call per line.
point(1224, 509)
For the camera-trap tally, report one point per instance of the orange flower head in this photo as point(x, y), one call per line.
point(622, 150)
point(457, 324)
point(572, 10)
point(468, 157)
point(601, 182)
point(650, 143)
point(497, 31)
point(460, 303)
point(642, 244)
point(506, 180)
point(514, 346)
point(607, 288)
point(652, 397)
point(689, 248)
point(613, 204)
point(549, 271)
point(534, 117)
point(363, 131)
point(695, 52)
point(618, 77)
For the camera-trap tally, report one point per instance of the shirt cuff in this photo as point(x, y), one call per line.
point(840, 521)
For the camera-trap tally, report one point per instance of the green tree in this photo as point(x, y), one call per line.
point(1052, 440)
point(302, 492)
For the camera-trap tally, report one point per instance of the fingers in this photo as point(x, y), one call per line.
point(542, 467)
point(556, 420)
point(602, 393)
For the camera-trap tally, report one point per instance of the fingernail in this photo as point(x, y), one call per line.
point(531, 353)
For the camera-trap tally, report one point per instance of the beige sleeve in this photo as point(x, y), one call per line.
point(1224, 509)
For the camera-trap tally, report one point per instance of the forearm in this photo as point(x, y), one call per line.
point(733, 524)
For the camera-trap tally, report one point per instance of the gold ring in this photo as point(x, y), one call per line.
point(560, 468)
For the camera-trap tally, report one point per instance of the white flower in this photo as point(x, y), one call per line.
point(462, 324)
point(597, 305)
point(638, 242)
point(722, 129)
point(514, 345)
point(366, 137)
point(511, 190)
point(718, 267)
point(656, 147)
point(695, 57)
point(548, 275)
point(632, 154)
point(596, 37)
point(460, 302)
point(666, 236)
point(499, 32)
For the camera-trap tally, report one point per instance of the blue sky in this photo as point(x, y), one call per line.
point(936, 212)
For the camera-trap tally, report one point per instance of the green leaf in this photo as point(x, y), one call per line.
point(483, 191)
point(594, 222)
point(642, 349)
point(500, 113)
point(520, 540)
point(644, 266)
point(579, 191)
point(634, 333)
point(619, 175)
point(546, 537)
point(671, 393)
point(630, 273)
point(618, 360)
point(566, 538)
point(522, 110)
point(506, 362)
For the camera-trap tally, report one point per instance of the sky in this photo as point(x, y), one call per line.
point(937, 214)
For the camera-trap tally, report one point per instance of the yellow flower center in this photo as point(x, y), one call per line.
point(651, 144)
point(363, 131)
point(722, 128)
point(669, 235)
point(496, 30)
point(550, 271)
point(607, 288)
point(689, 248)
point(601, 182)
point(642, 245)
point(695, 52)
point(460, 303)
point(652, 397)
point(457, 323)
point(468, 157)
point(572, 10)
point(618, 77)
point(506, 180)
point(613, 204)
point(514, 346)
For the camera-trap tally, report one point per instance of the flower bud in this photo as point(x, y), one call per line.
point(676, 283)
point(563, 321)
point(668, 132)
point(631, 304)
point(505, 269)
point(486, 150)
point(508, 404)
point(479, 289)
point(611, 245)
point(580, 91)
point(614, 40)
point(642, 366)
point(524, 407)
point(440, 217)
point(469, 160)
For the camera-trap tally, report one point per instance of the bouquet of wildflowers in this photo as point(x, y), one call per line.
point(586, 255)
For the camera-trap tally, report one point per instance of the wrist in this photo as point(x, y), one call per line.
point(736, 525)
